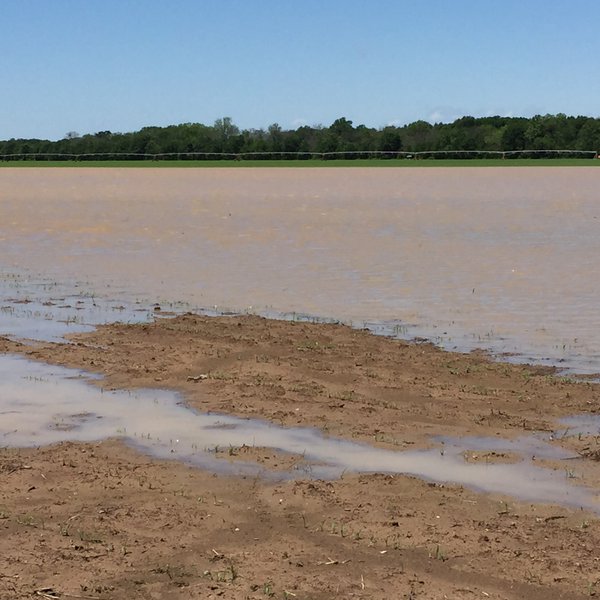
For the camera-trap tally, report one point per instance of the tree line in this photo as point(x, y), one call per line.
point(224, 139)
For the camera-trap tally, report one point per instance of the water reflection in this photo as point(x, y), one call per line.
point(42, 404)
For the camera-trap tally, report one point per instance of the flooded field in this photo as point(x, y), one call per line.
point(497, 259)
point(501, 259)
point(321, 448)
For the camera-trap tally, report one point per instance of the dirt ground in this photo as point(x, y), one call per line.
point(103, 521)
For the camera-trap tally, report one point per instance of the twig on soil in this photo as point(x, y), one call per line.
point(16, 468)
point(217, 556)
point(332, 561)
point(591, 454)
point(91, 557)
point(50, 594)
point(197, 378)
point(47, 593)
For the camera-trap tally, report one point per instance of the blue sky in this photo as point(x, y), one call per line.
point(93, 65)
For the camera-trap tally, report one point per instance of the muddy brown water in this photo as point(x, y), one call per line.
point(500, 258)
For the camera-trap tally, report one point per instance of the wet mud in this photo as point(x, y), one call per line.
point(270, 513)
point(42, 405)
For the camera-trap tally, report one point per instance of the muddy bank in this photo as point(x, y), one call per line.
point(102, 521)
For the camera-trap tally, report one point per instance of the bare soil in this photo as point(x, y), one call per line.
point(102, 521)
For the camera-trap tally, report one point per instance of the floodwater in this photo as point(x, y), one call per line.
point(502, 259)
point(505, 259)
point(42, 404)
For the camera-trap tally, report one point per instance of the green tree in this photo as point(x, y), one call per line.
point(390, 140)
point(417, 136)
point(275, 137)
point(513, 136)
point(588, 137)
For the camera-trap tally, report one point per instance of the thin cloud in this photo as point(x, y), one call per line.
point(299, 123)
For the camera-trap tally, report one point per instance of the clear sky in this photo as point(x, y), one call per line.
point(118, 65)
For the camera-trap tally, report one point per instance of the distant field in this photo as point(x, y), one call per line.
point(166, 164)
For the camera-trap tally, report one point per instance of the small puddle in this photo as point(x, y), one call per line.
point(581, 425)
point(42, 404)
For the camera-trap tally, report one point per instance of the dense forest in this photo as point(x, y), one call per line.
point(511, 136)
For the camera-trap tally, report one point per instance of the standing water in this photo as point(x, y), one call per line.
point(41, 404)
point(500, 258)
point(503, 259)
